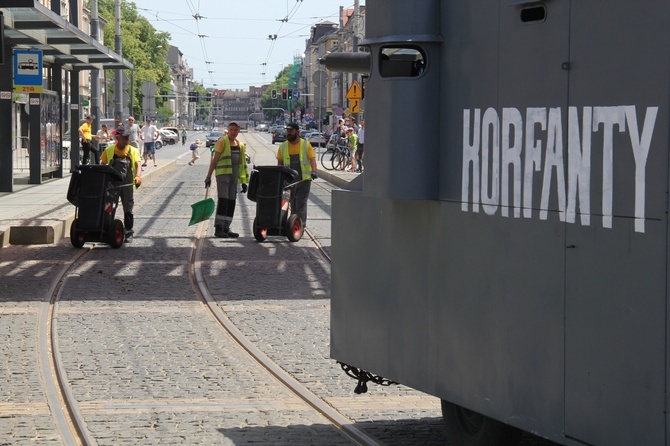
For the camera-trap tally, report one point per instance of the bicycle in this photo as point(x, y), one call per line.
point(336, 150)
point(341, 158)
point(327, 156)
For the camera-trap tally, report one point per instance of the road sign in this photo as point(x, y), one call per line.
point(296, 95)
point(355, 105)
point(28, 71)
point(354, 91)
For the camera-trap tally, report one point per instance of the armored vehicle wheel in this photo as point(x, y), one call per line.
point(116, 234)
point(260, 234)
point(294, 228)
point(76, 236)
point(467, 428)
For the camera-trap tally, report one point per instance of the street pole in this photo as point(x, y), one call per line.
point(118, 84)
point(132, 90)
point(354, 41)
point(95, 74)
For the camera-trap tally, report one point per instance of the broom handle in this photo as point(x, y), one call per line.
point(206, 192)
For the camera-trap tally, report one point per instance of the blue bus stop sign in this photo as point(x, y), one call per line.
point(28, 71)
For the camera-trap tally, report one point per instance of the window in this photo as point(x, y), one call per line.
point(401, 61)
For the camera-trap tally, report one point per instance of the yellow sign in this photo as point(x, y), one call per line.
point(355, 105)
point(27, 89)
point(354, 91)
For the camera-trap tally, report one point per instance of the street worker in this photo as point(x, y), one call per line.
point(298, 154)
point(229, 162)
point(126, 160)
point(86, 144)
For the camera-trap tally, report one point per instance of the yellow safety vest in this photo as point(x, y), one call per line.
point(225, 164)
point(305, 165)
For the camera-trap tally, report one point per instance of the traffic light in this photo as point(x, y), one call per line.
point(273, 94)
point(290, 94)
point(284, 93)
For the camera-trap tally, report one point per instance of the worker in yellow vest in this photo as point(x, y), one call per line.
point(229, 162)
point(298, 154)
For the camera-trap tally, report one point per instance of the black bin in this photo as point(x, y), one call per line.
point(94, 191)
point(272, 188)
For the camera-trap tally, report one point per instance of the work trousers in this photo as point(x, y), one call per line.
point(126, 194)
point(226, 188)
point(300, 197)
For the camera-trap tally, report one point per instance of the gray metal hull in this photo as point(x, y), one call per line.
point(519, 268)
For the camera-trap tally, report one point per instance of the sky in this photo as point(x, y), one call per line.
point(229, 47)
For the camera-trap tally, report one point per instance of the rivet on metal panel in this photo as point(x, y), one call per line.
point(565, 65)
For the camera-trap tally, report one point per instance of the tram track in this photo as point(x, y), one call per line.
point(71, 423)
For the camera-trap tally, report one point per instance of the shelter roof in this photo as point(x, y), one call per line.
point(31, 25)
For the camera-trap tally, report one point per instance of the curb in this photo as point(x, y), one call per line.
point(30, 231)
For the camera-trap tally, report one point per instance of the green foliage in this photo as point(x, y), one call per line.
point(142, 45)
point(281, 81)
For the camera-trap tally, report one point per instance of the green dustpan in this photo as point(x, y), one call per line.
point(202, 210)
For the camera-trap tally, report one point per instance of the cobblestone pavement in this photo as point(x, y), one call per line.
point(148, 365)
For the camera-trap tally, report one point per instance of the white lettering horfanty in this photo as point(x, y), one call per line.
point(501, 157)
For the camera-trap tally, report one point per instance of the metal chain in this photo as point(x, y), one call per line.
point(363, 377)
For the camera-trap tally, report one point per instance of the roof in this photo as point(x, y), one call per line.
point(32, 25)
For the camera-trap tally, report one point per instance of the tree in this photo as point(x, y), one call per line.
point(142, 45)
point(280, 82)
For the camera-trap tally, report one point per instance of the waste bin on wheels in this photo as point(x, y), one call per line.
point(273, 190)
point(94, 190)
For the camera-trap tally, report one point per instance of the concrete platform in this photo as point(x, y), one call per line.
point(37, 214)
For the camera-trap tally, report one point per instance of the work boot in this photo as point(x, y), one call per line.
point(219, 232)
point(232, 234)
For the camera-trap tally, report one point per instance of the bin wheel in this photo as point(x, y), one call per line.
point(260, 234)
point(76, 236)
point(294, 228)
point(467, 428)
point(116, 234)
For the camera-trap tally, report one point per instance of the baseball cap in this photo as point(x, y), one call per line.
point(293, 125)
point(122, 131)
point(88, 117)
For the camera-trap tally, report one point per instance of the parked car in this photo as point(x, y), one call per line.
point(168, 136)
point(67, 144)
point(212, 138)
point(279, 136)
point(316, 139)
point(175, 130)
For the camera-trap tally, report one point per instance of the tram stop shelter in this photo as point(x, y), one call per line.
point(65, 51)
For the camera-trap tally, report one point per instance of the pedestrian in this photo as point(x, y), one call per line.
point(352, 144)
point(351, 122)
point(104, 137)
point(183, 136)
point(86, 144)
point(125, 159)
point(134, 131)
point(149, 134)
point(361, 146)
point(229, 162)
point(194, 152)
point(341, 129)
point(298, 154)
